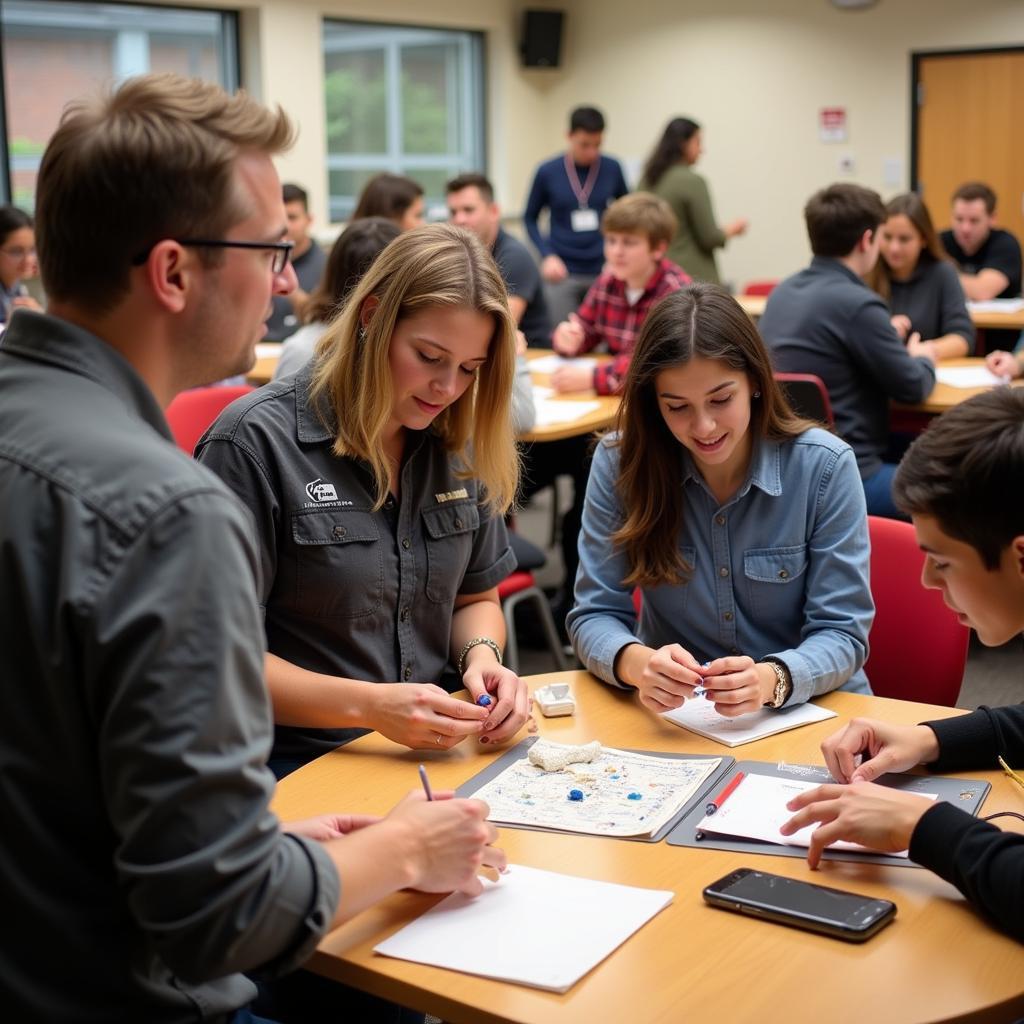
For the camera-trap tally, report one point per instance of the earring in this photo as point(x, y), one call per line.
point(757, 394)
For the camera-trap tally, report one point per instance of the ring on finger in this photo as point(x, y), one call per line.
point(438, 739)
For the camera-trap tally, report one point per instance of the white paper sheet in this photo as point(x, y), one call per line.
point(532, 927)
point(699, 716)
point(996, 306)
point(757, 807)
point(967, 377)
point(551, 411)
point(548, 364)
point(266, 349)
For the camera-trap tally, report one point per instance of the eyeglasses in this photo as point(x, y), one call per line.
point(1007, 770)
point(282, 250)
point(18, 253)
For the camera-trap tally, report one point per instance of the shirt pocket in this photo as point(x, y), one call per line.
point(775, 582)
point(450, 531)
point(339, 564)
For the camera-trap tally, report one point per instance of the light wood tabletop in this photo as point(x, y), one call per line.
point(939, 961)
point(945, 396)
point(599, 418)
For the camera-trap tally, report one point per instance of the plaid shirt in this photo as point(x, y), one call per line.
point(607, 316)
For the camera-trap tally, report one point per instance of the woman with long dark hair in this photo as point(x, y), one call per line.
point(669, 173)
point(742, 526)
point(17, 261)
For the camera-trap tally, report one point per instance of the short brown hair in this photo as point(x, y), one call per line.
point(387, 195)
point(838, 216)
point(967, 470)
point(971, 190)
point(641, 213)
point(471, 180)
point(152, 160)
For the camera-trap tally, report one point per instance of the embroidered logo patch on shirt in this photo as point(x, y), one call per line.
point(451, 495)
point(320, 491)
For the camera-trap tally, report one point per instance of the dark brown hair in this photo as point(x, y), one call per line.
point(911, 206)
point(153, 160)
point(967, 470)
point(701, 320)
point(387, 195)
point(669, 150)
point(471, 180)
point(838, 216)
point(971, 190)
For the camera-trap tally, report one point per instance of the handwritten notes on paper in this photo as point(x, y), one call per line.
point(620, 793)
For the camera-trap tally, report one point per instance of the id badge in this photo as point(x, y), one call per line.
point(585, 220)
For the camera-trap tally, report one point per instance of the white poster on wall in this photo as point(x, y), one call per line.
point(832, 124)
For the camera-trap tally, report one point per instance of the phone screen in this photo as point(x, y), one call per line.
point(790, 901)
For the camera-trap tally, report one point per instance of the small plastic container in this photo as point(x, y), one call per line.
point(555, 700)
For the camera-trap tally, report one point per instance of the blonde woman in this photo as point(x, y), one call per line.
point(378, 477)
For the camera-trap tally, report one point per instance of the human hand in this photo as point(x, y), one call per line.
point(1003, 364)
point(874, 816)
point(447, 841)
point(572, 378)
point(329, 826)
point(668, 678)
point(511, 707)
point(26, 302)
point(901, 324)
point(521, 343)
point(553, 270)
point(920, 349)
point(422, 716)
point(891, 748)
point(569, 336)
point(738, 685)
point(736, 227)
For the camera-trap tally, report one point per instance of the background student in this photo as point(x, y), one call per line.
point(393, 196)
point(961, 482)
point(378, 477)
point(351, 256)
point(826, 321)
point(919, 283)
point(742, 527)
point(669, 173)
point(17, 261)
point(574, 187)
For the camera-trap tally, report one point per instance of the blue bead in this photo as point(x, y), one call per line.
point(575, 794)
point(483, 700)
point(635, 796)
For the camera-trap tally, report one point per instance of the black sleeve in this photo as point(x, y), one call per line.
point(977, 739)
point(521, 275)
point(877, 348)
point(1003, 254)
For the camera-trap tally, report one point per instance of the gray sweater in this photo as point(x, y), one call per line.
point(934, 301)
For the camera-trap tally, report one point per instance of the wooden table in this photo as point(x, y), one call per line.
point(945, 396)
point(600, 418)
point(938, 962)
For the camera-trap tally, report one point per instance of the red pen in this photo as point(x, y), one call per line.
point(714, 805)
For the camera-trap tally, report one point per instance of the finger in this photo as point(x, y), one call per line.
point(496, 858)
point(828, 791)
point(728, 666)
point(679, 655)
point(868, 771)
point(729, 683)
point(442, 732)
point(659, 704)
point(514, 708)
point(450, 707)
point(745, 707)
point(673, 676)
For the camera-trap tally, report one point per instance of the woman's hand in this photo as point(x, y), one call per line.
point(569, 336)
point(665, 677)
point(738, 685)
point(422, 716)
point(1003, 364)
point(329, 826)
point(510, 707)
point(901, 325)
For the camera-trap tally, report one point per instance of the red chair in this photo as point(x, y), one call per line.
point(512, 591)
point(760, 287)
point(193, 411)
point(918, 648)
point(807, 396)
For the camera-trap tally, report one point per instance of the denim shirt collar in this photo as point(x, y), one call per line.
point(765, 471)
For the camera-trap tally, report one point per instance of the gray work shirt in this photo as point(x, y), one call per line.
point(140, 867)
point(349, 591)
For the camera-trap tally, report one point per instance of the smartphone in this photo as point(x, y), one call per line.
point(818, 908)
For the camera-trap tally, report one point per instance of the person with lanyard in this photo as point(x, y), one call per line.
point(377, 478)
point(574, 188)
point(17, 261)
point(741, 526)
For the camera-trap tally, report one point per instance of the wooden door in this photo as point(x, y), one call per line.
point(968, 118)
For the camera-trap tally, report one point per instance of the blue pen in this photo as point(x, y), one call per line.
point(426, 783)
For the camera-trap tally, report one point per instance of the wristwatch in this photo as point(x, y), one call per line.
point(783, 684)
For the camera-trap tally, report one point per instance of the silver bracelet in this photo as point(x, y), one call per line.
point(475, 642)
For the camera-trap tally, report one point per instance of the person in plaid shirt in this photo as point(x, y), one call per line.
point(637, 230)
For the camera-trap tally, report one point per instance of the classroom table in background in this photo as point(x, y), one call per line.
point(945, 396)
point(939, 960)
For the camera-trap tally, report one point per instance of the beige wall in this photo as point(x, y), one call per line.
point(753, 72)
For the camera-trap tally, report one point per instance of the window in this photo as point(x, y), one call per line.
point(54, 52)
point(399, 99)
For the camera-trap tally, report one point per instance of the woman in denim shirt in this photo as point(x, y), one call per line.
point(743, 528)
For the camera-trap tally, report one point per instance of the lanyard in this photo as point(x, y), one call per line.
point(582, 191)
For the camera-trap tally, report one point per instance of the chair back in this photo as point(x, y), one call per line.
point(918, 649)
point(807, 396)
point(760, 287)
point(193, 411)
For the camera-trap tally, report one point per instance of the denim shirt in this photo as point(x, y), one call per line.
point(780, 569)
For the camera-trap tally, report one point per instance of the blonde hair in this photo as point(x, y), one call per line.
point(155, 159)
point(434, 266)
point(641, 213)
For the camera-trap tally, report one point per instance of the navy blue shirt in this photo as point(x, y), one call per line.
point(522, 279)
point(581, 251)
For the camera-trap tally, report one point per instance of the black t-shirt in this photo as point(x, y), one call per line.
point(1000, 251)
point(522, 278)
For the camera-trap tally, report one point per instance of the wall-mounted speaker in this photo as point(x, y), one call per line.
point(541, 44)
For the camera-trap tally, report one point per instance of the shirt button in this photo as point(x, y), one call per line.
point(783, 574)
point(723, 572)
point(406, 543)
point(407, 674)
point(720, 520)
point(404, 616)
point(340, 531)
point(727, 616)
point(734, 650)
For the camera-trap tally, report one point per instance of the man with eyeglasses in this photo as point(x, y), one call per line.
point(141, 870)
